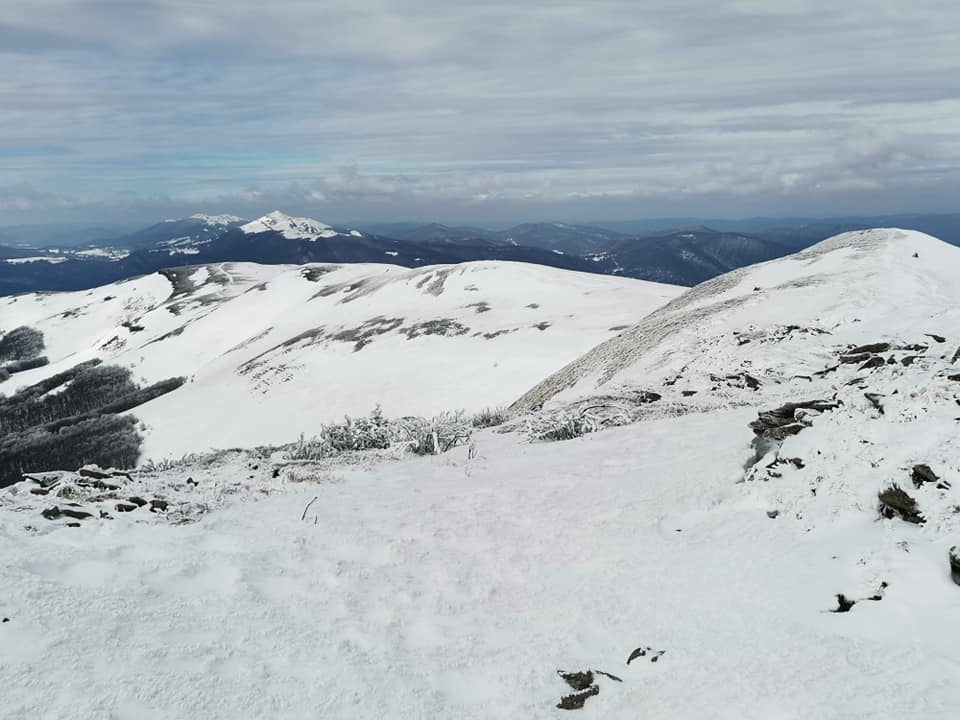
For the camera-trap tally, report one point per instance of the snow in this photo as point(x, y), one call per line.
point(859, 287)
point(270, 353)
point(217, 220)
point(39, 258)
point(292, 228)
point(111, 253)
point(457, 585)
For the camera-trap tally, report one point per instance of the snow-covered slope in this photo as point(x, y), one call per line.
point(696, 567)
point(292, 228)
point(780, 321)
point(272, 351)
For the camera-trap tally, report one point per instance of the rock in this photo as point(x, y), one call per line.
point(92, 471)
point(907, 360)
point(55, 512)
point(923, 474)
point(844, 603)
point(575, 701)
point(936, 338)
point(954, 557)
point(773, 514)
point(6, 620)
point(874, 361)
point(894, 502)
point(955, 378)
point(158, 505)
point(103, 485)
point(874, 399)
point(577, 680)
point(782, 422)
point(850, 359)
point(956, 355)
point(688, 393)
point(643, 652)
point(784, 431)
point(138, 501)
point(872, 348)
point(126, 507)
point(879, 594)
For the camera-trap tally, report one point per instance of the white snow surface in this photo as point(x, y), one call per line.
point(859, 287)
point(217, 220)
point(38, 258)
point(456, 586)
point(273, 351)
point(292, 228)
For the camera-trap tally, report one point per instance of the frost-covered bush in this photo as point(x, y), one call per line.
point(430, 436)
point(569, 423)
point(21, 343)
point(490, 417)
point(167, 464)
point(421, 436)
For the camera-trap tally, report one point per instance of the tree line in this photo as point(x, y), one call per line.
point(71, 418)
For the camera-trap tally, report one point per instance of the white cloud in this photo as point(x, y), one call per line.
point(389, 103)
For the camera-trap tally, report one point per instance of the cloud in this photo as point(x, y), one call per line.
point(381, 107)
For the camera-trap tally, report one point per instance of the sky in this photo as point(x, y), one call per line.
point(135, 110)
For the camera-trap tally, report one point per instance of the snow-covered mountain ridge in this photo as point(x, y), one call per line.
point(271, 351)
point(855, 288)
point(293, 228)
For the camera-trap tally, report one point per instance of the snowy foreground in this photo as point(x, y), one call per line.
point(737, 547)
point(456, 587)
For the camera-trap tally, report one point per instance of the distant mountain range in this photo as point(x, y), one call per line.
point(686, 254)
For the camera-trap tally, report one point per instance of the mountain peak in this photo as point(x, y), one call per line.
point(216, 219)
point(293, 228)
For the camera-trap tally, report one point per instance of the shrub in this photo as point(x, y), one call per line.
point(22, 365)
point(421, 436)
point(21, 343)
point(490, 417)
point(569, 423)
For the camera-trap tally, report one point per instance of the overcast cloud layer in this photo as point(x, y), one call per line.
point(437, 109)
